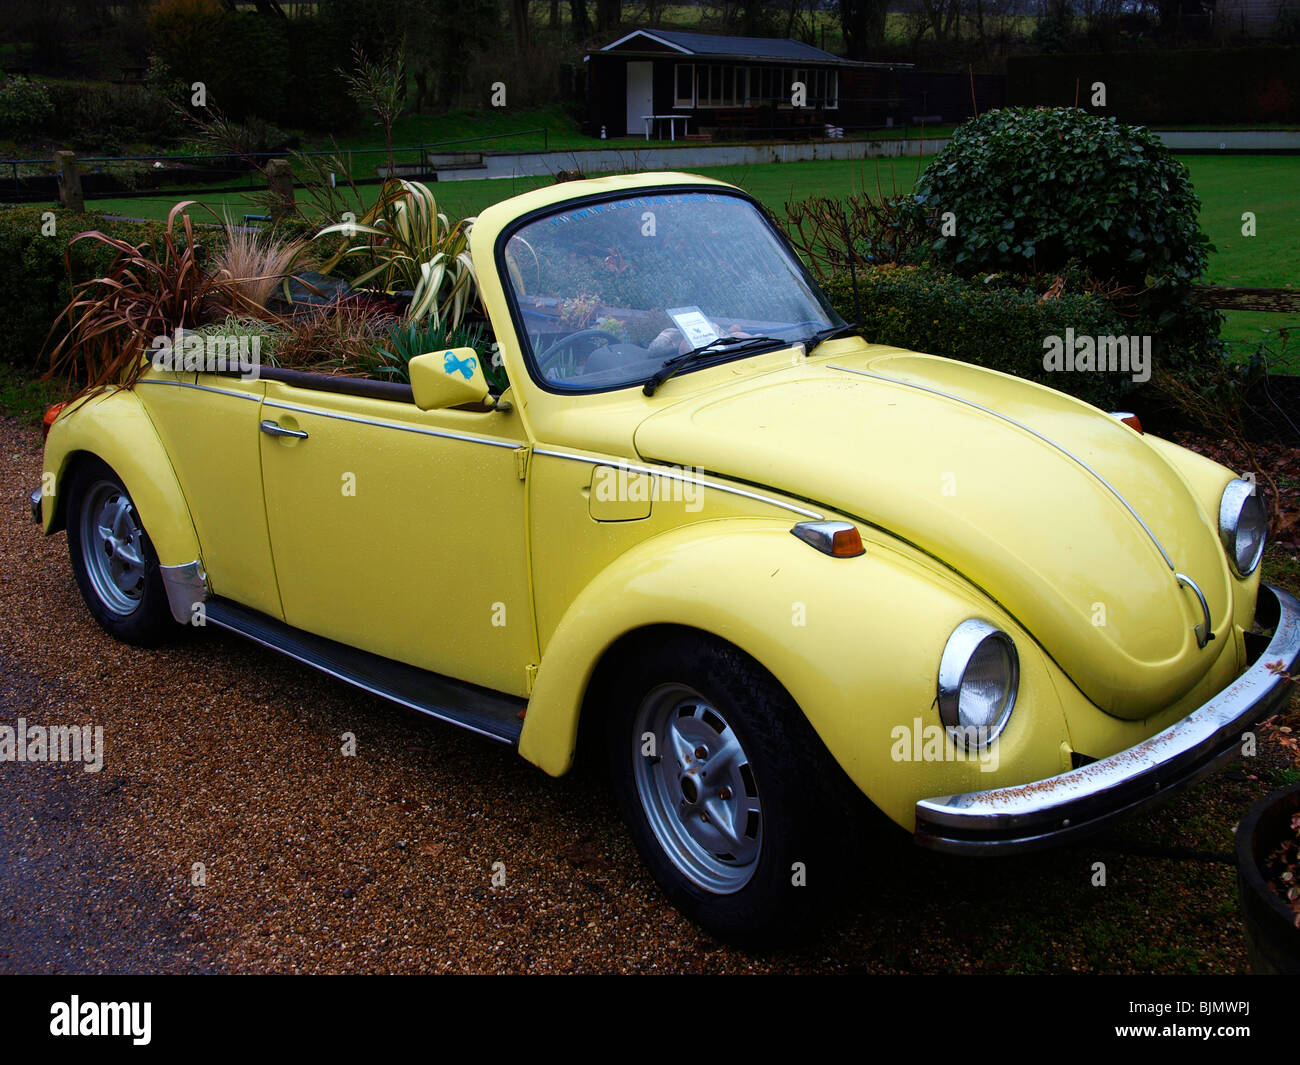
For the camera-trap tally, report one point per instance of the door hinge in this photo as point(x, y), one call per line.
point(521, 461)
point(530, 673)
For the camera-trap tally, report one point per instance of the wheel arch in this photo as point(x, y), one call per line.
point(859, 657)
point(115, 429)
point(606, 671)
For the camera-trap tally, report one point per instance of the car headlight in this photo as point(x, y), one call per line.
point(1243, 526)
point(979, 675)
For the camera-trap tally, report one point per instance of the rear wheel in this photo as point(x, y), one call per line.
point(113, 558)
point(736, 806)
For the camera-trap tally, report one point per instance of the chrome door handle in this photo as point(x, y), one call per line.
point(275, 429)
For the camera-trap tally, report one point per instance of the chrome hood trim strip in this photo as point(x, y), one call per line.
point(1046, 440)
point(676, 475)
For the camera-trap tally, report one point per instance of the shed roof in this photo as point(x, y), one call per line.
point(720, 45)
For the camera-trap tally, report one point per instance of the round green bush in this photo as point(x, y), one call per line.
point(1033, 189)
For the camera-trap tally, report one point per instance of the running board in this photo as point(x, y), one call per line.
point(477, 709)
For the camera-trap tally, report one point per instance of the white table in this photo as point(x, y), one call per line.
point(672, 121)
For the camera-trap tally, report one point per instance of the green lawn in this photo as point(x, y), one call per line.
point(1269, 186)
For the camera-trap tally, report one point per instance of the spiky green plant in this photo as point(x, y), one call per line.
point(404, 342)
point(412, 246)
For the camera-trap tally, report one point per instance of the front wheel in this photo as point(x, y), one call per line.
point(734, 803)
point(113, 558)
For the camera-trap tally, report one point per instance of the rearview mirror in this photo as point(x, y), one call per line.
point(449, 378)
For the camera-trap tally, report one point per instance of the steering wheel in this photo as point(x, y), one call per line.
point(549, 359)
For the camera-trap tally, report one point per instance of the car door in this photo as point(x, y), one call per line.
point(401, 531)
point(208, 425)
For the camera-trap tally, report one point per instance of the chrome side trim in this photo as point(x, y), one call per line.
point(675, 475)
point(1046, 440)
point(1204, 634)
point(1043, 812)
point(203, 388)
point(186, 586)
point(444, 433)
point(35, 500)
point(340, 417)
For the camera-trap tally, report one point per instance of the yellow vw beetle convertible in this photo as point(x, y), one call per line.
point(761, 566)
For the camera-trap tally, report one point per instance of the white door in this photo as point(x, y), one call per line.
point(640, 96)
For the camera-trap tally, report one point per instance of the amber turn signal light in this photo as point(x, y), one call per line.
point(50, 414)
point(1128, 418)
point(838, 539)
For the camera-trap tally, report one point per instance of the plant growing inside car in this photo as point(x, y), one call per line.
point(254, 263)
point(411, 246)
point(407, 340)
point(150, 290)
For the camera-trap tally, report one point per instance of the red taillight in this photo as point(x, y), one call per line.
point(50, 414)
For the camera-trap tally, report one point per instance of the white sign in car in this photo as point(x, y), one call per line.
point(697, 329)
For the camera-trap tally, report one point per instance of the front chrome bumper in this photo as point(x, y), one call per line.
point(1045, 812)
point(35, 500)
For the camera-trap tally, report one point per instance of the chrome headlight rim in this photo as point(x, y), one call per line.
point(966, 641)
point(1239, 495)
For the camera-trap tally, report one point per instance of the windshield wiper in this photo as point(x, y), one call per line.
point(829, 333)
point(713, 347)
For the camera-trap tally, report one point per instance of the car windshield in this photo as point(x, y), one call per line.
point(608, 292)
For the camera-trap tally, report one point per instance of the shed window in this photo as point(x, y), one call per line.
point(713, 85)
point(684, 85)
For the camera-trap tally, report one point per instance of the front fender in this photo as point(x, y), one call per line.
point(856, 643)
point(114, 427)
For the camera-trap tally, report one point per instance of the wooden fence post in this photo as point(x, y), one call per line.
point(70, 194)
point(279, 175)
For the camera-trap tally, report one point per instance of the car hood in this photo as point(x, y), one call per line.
point(1060, 513)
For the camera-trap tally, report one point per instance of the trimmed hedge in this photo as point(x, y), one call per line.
point(1230, 85)
point(34, 274)
point(995, 325)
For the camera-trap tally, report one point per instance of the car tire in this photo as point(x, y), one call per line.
point(747, 852)
point(113, 558)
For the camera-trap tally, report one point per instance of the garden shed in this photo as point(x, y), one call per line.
point(703, 85)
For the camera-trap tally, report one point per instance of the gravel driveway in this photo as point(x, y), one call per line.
point(221, 753)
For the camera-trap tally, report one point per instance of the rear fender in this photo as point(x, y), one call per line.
point(114, 428)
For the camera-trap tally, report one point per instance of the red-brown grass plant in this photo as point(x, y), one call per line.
point(150, 290)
